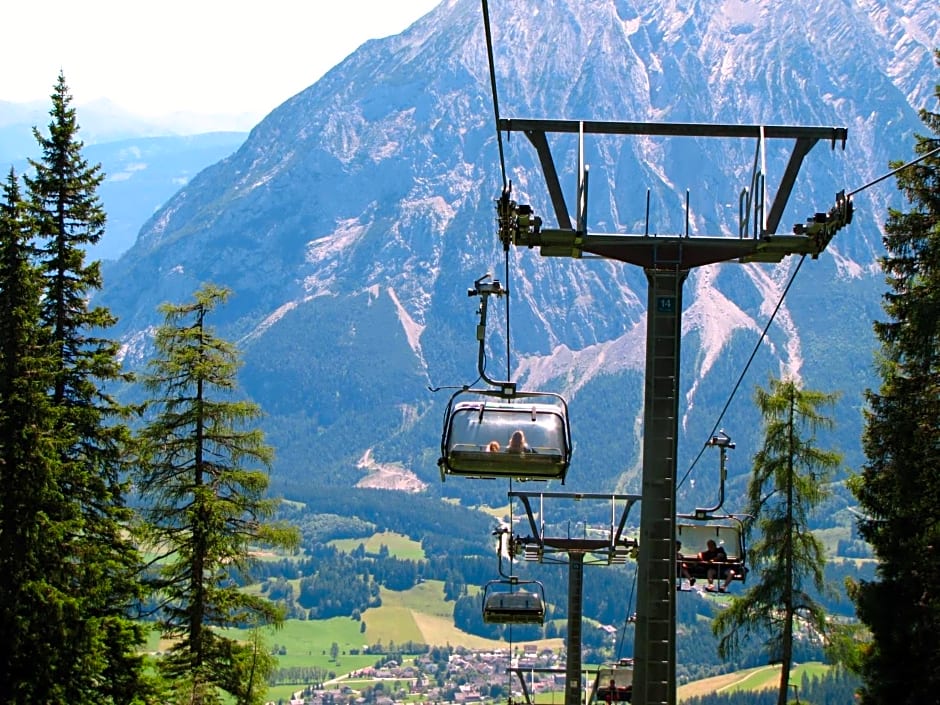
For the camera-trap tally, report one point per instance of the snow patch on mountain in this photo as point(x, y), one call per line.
point(134, 346)
point(269, 321)
point(325, 253)
point(846, 266)
point(346, 233)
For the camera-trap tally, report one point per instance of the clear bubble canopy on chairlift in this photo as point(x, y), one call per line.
point(501, 431)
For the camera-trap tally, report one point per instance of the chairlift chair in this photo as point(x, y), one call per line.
point(726, 531)
point(615, 682)
point(511, 604)
point(479, 427)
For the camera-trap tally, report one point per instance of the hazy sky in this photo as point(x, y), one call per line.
point(202, 56)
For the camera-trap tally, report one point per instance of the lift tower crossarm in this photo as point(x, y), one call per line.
point(566, 241)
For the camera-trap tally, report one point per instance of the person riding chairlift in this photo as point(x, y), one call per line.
point(517, 443)
point(716, 555)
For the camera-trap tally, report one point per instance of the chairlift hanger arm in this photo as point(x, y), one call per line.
point(723, 442)
point(484, 288)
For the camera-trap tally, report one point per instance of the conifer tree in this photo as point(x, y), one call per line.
point(95, 563)
point(899, 486)
point(788, 482)
point(30, 508)
point(203, 479)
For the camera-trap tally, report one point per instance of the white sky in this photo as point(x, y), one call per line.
point(201, 56)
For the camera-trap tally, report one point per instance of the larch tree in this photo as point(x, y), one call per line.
point(203, 479)
point(788, 481)
point(898, 488)
point(96, 562)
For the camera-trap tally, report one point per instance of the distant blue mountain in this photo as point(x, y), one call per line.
point(144, 164)
point(142, 174)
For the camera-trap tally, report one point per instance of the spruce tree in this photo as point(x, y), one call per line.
point(31, 507)
point(788, 481)
point(899, 486)
point(202, 480)
point(95, 563)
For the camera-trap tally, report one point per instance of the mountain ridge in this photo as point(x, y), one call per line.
point(355, 216)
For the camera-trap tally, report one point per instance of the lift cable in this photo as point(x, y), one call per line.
point(744, 371)
point(628, 618)
point(895, 171)
point(512, 572)
point(502, 166)
point(508, 295)
point(881, 178)
point(489, 56)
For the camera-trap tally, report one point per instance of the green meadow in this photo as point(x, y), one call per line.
point(398, 545)
point(760, 678)
point(422, 616)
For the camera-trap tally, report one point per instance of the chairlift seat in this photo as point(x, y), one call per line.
point(727, 535)
point(615, 682)
point(471, 426)
point(519, 607)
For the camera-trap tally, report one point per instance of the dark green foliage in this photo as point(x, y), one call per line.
point(326, 527)
point(72, 577)
point(788, 482)
point(899, 486)
point(205, 506)
point(334, 591)
point(421, 517)
point(30, 500)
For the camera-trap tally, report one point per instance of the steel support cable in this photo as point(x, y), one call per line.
point(502, 172)
point(881, 178)
point(744, 371)
point(512, 572)
point(492, 65)
point(627, 619)
point(894, 171)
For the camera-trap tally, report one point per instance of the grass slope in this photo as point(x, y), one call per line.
point(422, 615)
point(761, 678)
point(398, 545)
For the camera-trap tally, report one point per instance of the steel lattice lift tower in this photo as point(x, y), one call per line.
point(667, 260)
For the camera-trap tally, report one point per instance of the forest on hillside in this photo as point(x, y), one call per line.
point(323, 581)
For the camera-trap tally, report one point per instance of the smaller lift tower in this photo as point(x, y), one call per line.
point(667, 260)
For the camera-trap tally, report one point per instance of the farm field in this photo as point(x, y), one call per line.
point(398, 545)
point(760, 678)
point(420, 615)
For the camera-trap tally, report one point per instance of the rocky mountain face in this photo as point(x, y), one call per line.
point(353, 219)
